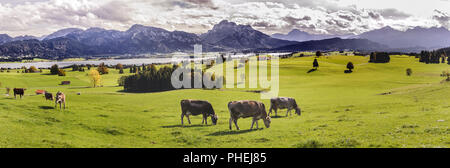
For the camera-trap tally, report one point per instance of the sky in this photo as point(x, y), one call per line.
point(42, 17)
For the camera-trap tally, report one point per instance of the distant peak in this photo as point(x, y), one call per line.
point(387, 28)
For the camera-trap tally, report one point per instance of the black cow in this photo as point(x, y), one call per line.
point(197, 107)
point(48, 96)
point(248, 108)
point(19, 91)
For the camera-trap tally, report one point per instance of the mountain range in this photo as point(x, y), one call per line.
point(417, 37)
point(300, 36)
point(430, 38)
point(224, 36)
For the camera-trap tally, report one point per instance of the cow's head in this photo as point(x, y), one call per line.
point(214, 119)
point(58, 96)
point(298, 111)
point(267, 121)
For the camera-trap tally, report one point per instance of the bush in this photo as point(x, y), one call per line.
point(61, 72)
point(409, 72)
point(33, 69)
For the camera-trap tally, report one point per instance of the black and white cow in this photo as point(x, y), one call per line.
point(284, 103)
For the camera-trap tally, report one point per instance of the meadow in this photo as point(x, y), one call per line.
point(376, 106)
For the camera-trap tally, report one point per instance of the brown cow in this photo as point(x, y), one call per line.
point(197, 107)
point(61, 99)
point(284, 103)
point(39, 92)
point(19, 91)
point(248, 108)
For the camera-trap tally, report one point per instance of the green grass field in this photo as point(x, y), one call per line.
point(338, 110)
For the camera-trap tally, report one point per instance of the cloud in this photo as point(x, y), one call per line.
point(442, 17)
point(40, 17)
point(391, 13)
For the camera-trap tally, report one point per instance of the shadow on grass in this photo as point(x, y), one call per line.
point(46, 107)
point(232, 132)
point(312, 70)
point(186, 125)
point(279, 116)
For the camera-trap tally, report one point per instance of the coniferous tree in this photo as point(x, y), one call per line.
point(315, 64)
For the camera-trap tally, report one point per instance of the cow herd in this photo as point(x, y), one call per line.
point(239, 109)
point(60, 98)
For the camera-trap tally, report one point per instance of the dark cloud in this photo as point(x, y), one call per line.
point(293, 21)
point(442, 17)
point(374, 15)
point(347, 17)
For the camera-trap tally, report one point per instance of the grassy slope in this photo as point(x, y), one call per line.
point(339, 110)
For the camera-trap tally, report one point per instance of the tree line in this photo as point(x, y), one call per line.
point(433, 57)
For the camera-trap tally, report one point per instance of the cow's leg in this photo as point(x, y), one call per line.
point(288, 112)
point(276, 111)
point(60, 105)
point(182, 116)
point(189, 120)
point(270, 110)
point(64, 104)
point(257, 124)
point(253, 122)
point(235, 123)
point(231, 119)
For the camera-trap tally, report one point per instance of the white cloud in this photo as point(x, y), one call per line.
point(40, 17)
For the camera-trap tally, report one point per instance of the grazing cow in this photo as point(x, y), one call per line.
point(284, 103)
point(60, 99)
point(19, 91)
point(247, 108)
point(39, 92)
point(48, 96)
point(197, 107)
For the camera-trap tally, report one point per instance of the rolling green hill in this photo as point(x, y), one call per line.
point(375, 106)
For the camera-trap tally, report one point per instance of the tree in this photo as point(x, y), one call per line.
point(448, 60)
point(446, 74)
point(119, 66)
point(33, 69)
point(95, 77)
point(409, 72)
point(350, 66)
point(61, 72)
point(318, 53)
point(379, 57)
point(54, 70)
point(315, 64)
point(102, 69)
